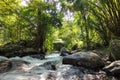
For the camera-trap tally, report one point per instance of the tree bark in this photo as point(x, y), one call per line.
point(40, 37)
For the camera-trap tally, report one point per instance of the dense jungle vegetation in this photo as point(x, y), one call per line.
point(81, 23)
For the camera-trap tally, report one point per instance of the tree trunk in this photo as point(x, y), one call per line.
point(87, 35)
point(40, 38)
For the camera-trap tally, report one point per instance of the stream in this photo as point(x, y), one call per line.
point(51, 68)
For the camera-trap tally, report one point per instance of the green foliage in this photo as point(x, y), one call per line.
point(50, 39)
point(95, 21)
point(69, 33)
point(110, 15)
point(106, 14)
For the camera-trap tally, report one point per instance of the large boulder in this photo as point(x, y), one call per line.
point(84, 59)
point(114, 50)
point(113, 68)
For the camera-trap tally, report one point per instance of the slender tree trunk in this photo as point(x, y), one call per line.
point(40, 38)
point(87, 34)
point(87, 38)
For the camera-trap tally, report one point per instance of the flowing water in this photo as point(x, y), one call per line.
point(43, 70)
point(32, 71)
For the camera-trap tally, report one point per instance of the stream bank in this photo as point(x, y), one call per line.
point(28, 68)
point(20, 62)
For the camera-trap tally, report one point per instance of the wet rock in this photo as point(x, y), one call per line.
point(84, 59)
point(12, 64)
point(38, 56)
point(95, 76)
point(45, 67)
point(65, 52)
point(5, 66)
point(18, 62)
point(64, 72)
point(114, 50)
point(40, 70)
point(113, 68)
point(68, 72)
point(49, 66)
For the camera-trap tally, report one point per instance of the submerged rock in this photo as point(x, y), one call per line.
point(43, 70)
point(68, 72)
point(84, 59)
point(5, 66)
point(18, 62)
point(49, 66)
point(38, 56)
point(12, 64)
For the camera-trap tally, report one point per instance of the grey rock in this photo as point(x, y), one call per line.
point(16, 62)
point(64, 52)
point(84, 59)
point(5, 66)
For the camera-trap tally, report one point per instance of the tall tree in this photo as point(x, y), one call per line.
point(45, 15)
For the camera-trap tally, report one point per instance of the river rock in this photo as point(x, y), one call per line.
point(5, 66)
point(49, 66)
point(18, 63)
point(69, 72)
point(113, 68)
point(114, 50)
point(84, 59)
point(65, 52)
point(38, 56)
point(43, 72)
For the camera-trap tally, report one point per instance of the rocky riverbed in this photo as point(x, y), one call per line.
point(51, 68)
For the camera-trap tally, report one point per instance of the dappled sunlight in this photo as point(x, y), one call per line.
point(59, 39)
point(24, 2)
